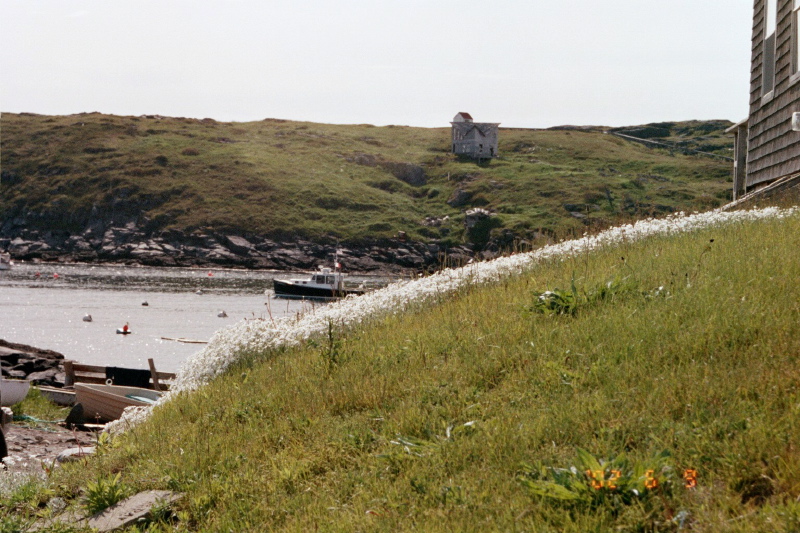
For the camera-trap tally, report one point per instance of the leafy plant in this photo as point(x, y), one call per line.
point(104, 493)
point(568, 302)
point(332, 351)
point(557, 301)
point(593, 483)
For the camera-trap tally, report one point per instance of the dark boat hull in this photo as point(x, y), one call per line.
point(284, 289)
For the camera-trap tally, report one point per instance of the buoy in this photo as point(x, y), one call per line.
point(210, 274)
point(55, 275)
point(222, 314)
point(145, 304)
point(87, 318)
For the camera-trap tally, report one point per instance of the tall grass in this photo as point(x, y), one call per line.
point(682, 352)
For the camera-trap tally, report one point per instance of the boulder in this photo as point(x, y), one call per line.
point(414, 175)
point(238, 245)
point(459, 198)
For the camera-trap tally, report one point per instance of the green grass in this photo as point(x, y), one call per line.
point(677, 353)
point(38, 410)
point(324, 182)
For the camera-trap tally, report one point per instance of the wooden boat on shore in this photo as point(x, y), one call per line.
point(106, 402)
point(326, 284)
point(63, 397)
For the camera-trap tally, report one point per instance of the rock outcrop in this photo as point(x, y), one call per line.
point(40, 367)
point(130, 242)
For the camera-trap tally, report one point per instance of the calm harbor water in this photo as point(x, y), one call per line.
point(43, 305)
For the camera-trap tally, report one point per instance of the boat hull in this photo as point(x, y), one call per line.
point(105, 403)
point(63, 397)
point(13, 391)
point(284, 289)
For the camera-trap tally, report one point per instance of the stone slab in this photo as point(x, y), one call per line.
point(132, 509)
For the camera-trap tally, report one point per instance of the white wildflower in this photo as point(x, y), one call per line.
point(230, 344)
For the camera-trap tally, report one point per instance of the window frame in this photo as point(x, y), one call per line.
point(795, 40)
point(769, 49)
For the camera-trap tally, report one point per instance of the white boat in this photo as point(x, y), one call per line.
point(5, 261)
point(58, 396)
point(323, 285)
point(13, 391)
point(104, 403)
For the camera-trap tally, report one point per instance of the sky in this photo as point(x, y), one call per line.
point(522, 63)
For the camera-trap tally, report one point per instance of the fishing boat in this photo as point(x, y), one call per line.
point(13, 391)
point(106, 402)
point(5, 261)
point(325, 284)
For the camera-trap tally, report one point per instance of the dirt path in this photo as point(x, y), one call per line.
point(32, 448)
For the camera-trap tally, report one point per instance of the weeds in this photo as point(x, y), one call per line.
point(104, 493)
point(563, 302)
point(612, 484)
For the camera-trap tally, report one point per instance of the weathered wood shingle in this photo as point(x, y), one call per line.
point(773, 149)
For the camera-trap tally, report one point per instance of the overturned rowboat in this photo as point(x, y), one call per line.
point(105, 403)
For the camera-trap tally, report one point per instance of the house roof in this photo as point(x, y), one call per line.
point(464, 115)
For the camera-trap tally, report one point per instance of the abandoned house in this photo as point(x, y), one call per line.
point(767, 143)
point(474, 139)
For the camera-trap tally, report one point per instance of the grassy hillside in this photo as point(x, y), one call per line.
point(693, 135)
point(281, 179)
point(672, 355)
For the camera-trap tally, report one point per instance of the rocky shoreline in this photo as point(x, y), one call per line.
point(40, 367)
point(129, 243)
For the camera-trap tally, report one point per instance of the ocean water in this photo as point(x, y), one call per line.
point(43, 305)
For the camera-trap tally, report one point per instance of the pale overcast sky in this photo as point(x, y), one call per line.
point(523, 63)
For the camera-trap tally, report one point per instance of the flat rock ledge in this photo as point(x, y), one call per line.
point(130, 243)
point(120, 515)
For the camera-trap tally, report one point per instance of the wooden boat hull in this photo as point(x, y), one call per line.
point(105, 403)
point(63, 397)
point(13, 391)
point(284, 289)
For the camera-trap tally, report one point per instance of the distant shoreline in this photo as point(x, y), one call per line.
point(234, 252)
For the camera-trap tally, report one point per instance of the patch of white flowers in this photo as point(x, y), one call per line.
point(258, 336)
point(16, 472)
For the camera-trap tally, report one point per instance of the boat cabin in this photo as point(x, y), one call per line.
point(323, 284)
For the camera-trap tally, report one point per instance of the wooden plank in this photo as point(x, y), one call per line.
point(89, 368)
point(154, 374)
point(69, 374)
point(80, 373)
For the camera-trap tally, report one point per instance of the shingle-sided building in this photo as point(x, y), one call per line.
point(767, 144)
point(474, 139)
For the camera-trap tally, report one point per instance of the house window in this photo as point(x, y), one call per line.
point(796, 36)
point(768, 66)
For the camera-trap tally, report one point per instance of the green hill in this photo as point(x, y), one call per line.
point(285, 180)
point(656, 388)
